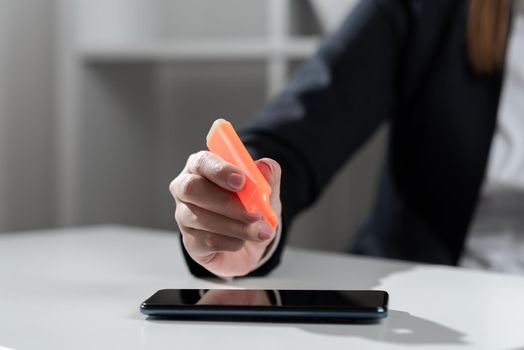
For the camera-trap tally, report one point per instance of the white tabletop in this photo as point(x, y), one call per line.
point(81, 289)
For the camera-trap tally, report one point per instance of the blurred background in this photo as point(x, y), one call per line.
point(101, 102)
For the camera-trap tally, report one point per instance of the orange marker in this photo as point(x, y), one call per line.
point(223, 141)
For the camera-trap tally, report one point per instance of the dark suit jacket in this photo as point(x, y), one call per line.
point(402, 62)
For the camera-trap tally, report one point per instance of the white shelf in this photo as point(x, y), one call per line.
point(201, 50)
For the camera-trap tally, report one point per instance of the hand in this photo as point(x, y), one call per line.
point(217, 231)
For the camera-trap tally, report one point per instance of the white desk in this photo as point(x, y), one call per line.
point(81, 289)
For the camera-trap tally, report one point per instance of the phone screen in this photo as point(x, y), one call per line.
point(259, 304)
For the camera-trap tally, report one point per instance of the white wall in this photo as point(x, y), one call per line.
point(26, 114)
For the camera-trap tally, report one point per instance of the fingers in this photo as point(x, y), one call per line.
point(197, 190)
point(216, 170)
point(204, 244)
point(217, 231)
point(192, 217)
point(272, 173)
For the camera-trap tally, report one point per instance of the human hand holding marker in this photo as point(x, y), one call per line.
point(218, 231)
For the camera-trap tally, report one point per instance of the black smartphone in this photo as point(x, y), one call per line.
point(318, 306)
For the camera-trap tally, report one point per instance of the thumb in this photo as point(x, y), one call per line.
point(272, 173)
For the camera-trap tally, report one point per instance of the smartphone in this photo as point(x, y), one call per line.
point(317, 306)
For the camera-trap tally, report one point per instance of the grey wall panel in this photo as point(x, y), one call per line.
point(27, 137)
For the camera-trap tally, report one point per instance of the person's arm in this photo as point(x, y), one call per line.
point(332, 105)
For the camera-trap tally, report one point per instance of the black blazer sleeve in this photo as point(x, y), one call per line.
point(330, 107)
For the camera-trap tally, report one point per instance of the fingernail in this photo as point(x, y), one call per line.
point(265, 231)
point(235, 181)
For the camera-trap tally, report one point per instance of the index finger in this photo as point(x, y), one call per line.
point(216, 170)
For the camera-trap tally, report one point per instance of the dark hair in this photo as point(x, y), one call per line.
point(486, 34)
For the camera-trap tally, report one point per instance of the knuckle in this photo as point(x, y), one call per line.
point(220, 170)
point(178, 216)
point(192, 218)
point(211, 242)
point(186, 216)
point(197, 161)
point(191, 159)
point(187, 186)
point(217, 170)
point(173, 185)
point(188, 240)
